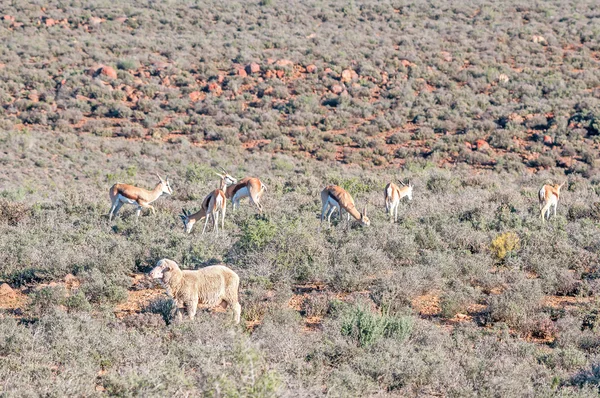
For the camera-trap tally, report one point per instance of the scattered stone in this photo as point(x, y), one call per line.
point(539, 39)
point(548, 140)
point(270, 61)
point(6, 291)
point(195, 96)
point(220, 79)
point(121, 19)
point(280, 74)
point(468, 145)
point(109, 72)
point(284, 62)
point(96, 20)
point(346, 75)
point(482, 145)
point(214, 88)
point(9, 18)
point(337, 89)
point(34, 96)
point(270, 74)
point(49, 22)
point(446, 56)
point(328, 70)
point(253, 68)
point(311, 68)
point(241, 72)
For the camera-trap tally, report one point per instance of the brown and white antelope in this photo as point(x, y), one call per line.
point(236, 190)
point(549, 196)
point(393, 194)
point(334, 198)
point(124, 193)
point(213, 204)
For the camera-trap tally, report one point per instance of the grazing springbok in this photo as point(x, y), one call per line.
point(334, 197)
point(213, 204)
point(393, 194)
point(236, 190)
point(549, 196)
point(123, 193)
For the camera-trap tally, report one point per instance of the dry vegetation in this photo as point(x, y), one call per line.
point(467, 295)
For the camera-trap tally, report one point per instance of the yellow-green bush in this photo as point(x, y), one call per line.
point(504, 244)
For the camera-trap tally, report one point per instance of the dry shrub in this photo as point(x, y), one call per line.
point(505, 244)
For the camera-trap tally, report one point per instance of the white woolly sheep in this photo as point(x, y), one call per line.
point(211, 286)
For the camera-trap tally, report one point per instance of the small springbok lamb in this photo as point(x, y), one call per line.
point(124, 193)
point(549, 196)
point(212, 286)
point(334, 198)
point(393, 194)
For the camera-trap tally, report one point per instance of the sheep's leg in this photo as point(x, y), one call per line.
point(192, 307)
point(178, 314)
point(237, 311)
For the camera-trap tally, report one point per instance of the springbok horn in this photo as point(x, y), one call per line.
point(159, 177)
point(219, 174)
point(365, 211)
point(400, 181)
point(224, 171)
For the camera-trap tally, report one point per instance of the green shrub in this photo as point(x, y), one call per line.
point(366, 327)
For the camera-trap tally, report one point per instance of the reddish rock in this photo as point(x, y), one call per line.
point(270, 61)
point(253, 68)
point(214, 88)
point(328, 70)
point(33, 96)
point(337, 89)
point(9, 18)
point(348, 75)
point(269, 74)
point(241, 72)
point(49, 22)
point(311, 68)
point(482, 145)
point(284, 62)
point(109, 72)
point(280, 73)
point(446, 56)
point(96, 20)
point(6, 291)
point(220, 79)
point(406, 63)
point(565, 162)
point(468, 145)
point(548, 140)
point(195, 96)
point(121, 19)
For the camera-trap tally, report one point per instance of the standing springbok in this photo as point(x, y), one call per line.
point(334, 197)
point(549, 196)
point(393, 194)
point(213, 204)
point(123, 193)
point(236, 190)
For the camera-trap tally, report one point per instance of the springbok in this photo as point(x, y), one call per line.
point(334, 197)
point(124, 193)
point(549, 196)
point(213, 204)
point(393, 194)
point(236, 190)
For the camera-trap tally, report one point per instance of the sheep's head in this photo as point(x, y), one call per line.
point(163, 268)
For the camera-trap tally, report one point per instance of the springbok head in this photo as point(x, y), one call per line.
point(364, 220)
point(188, 223)
point(166, 187)
point(229, 180)
point(409, 193)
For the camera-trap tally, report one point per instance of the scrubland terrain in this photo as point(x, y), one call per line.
point(469, 294)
